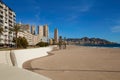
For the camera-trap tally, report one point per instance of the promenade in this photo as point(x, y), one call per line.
point(79, 63)
point(17, 58)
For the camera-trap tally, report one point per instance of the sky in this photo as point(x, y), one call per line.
point(73, 18)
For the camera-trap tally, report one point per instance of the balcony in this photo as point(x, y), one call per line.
point(14, 18)
point(1, 21)
point(6, 27)
point(1, 17)
point(1, 11)
point(1, 37)
point(10, 21)
point(10, 24)
point(1, 7)
point(1, 42)
point(14, 15)
point(5, 31)
point(5, 10)
point(10, 17)
point(10, 13)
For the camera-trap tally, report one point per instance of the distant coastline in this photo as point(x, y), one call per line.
point(101, 45)
point(92, 42)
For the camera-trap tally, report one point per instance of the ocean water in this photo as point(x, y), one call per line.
point(102, 45)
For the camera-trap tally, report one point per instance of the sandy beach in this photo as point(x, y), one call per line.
point(78, 63)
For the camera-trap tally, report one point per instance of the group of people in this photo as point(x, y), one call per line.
point(62, 45)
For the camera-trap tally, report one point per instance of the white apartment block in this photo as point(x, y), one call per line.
point(32, 39)
point(7, 21)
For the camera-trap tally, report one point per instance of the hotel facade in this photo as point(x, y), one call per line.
point(7, 21)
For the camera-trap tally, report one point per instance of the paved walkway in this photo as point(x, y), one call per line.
point(14, 73)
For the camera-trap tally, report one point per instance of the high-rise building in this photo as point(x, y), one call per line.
point(7, 21)
point(25, 27)
point(31, 37)
point(33, 29)
point(43, 33)
point(56, 36)
point(45, 30)
point(40, 31)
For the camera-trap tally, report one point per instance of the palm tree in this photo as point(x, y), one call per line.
point(1, 32)
point(65, 42)
point(16, 29)
point(10, 32)
point(60, 42)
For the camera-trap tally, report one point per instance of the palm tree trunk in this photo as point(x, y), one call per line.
point(16, 40)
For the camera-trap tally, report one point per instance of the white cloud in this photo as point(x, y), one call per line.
point(37, 16)
point(81, 8)
point(37, 7)
point(116, 29)
point(72, 17)
point(85, 8)
point(118, 21)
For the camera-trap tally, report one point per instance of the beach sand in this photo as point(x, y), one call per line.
point(79, 63)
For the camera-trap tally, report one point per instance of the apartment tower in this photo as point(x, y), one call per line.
point(40, 31)
point(56, 36)
point(45, 30)
point(33, 30)
point(7, 21)
point(27, 27)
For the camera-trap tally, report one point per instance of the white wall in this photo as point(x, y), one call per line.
point(19, 57)
point(5, 57)
point(22, 56)
point(15, 73)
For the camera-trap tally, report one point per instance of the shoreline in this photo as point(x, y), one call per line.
point(100, 46)
point(77, 62)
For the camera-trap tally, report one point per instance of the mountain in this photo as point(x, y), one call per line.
point(86, 40)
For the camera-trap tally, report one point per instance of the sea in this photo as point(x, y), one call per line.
point(101, 45)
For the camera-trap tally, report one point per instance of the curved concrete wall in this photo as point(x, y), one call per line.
point(20, 56)
point(15, 73)
point(5, 57)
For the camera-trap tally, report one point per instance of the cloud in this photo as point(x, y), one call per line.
point(37, 7)
point(82, 8)
point(37, 16)
point(41, 20)
point(116, 29)
point(31, 1)
point(117, 21)
point(75, 11)
point(72, 17)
